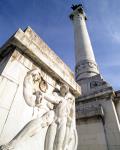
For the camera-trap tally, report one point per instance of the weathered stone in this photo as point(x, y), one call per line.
point(31, 45)
point(30, 75)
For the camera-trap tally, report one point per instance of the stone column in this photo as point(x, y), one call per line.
point(85, 61)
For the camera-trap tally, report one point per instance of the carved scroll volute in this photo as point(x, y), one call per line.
point(33, 87)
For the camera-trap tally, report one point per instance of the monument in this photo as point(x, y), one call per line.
point(98, 107)
point(37, 96)
point(38, 93)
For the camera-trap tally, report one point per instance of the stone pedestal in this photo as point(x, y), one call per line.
point(97, 113)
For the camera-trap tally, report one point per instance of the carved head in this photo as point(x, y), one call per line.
point(36, 74)
point(64, 89)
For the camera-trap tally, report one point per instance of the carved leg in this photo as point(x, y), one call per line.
point(50, 136)
point(60, 135)
point(30, 129)
point(66, 139)
point(72, 140)
point(75, 139)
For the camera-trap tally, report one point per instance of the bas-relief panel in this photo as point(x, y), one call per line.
point(22, 113)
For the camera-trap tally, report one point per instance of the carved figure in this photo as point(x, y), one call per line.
point(56, 111)
point(31, 91)
point(60, 132)
point(34, 98)
point(61, 119)
point(30, 129)
point(71, 139)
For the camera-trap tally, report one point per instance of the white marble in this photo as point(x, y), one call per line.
point(85, 60)
point(63, 115)
point(34, 98)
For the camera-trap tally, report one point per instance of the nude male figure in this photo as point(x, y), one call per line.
point(62, 113)
point(57, 129)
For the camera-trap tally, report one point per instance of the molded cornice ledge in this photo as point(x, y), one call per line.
point(108, 92)
point(30, 44)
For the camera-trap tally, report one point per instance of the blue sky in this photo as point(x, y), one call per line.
point(49, 18)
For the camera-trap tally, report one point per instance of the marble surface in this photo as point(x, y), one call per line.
point(23, 80)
